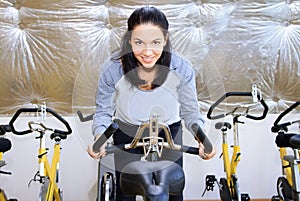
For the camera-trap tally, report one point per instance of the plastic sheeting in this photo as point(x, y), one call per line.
point(52, 51)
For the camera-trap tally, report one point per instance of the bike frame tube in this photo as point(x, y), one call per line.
point(51, 172)
point(53, 188)
point(42, 154)
point(226, 161)
point(236, 147)
point(235, 159)
point(2, 196)
point(286, 170)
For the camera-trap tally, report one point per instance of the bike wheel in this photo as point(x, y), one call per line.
point(224, 190)
point(107, 187)
point(284, 189)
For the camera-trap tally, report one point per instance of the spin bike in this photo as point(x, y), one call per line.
point(151, 178)
point(229, 188)
point(48, 174)
point(5, 145)
point(288, 184)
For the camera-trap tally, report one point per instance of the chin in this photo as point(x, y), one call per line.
point(148, 65)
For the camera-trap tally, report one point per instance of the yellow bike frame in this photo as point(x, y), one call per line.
point(286, 168)
point(2, 196)
point(47, 171)
point(50, 171)
point(230, 166)
point(2, 193)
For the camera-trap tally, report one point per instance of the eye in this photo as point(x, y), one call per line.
point(138, 42)
point(157, 42)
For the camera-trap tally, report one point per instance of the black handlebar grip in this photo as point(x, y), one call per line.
point(4, 129)
point(263, 115)
point(189, 150)
point(61, 119)
point(103, 138)
point(201, 137)
point(84, 119)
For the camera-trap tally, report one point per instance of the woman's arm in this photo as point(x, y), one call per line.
point(106, 90)
point(189, 105)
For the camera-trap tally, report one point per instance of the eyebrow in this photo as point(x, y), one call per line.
point(152, 40)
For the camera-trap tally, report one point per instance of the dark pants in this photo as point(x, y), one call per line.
point(125, 135)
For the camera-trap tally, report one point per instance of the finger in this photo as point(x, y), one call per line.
point(201, 149)
point(204, 156)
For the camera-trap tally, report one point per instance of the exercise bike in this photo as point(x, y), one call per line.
point(229, 188)
point(48, 174)
point(151, 178)
point(5, 145)
point(288, 184)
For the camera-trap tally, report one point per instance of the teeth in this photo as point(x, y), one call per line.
point(147, 59)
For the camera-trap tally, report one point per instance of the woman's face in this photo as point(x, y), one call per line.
point(147, 41)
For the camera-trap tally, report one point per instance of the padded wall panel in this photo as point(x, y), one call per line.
point(52, 51)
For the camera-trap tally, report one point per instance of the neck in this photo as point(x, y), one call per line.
point(147, 74)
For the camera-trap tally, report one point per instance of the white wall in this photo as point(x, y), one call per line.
point(257, 171)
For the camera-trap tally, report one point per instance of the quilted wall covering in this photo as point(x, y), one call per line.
point(52, 51)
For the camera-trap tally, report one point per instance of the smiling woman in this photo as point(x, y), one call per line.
point(144, 77)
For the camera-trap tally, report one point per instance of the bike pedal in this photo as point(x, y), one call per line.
point(245, 197)
point(210, 182)
point(275, 198)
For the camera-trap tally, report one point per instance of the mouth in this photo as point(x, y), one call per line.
point(148, 59)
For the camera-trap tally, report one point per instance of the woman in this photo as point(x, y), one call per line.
point(142, 78)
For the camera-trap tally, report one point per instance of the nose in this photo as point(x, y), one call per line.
point(147, 50)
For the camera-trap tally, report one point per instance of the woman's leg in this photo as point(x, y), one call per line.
point(176, 131)
point(122, 158)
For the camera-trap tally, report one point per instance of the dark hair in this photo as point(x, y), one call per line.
point(145, 15)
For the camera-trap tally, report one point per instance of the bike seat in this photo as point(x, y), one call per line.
point(295, 140)
point(223, 125)
point(283, 140)
point(152, 180)
point(5, 144)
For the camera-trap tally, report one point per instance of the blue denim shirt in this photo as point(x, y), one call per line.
point(112, 72)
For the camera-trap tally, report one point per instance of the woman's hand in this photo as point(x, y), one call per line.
point(206, 156)
point(101, 152)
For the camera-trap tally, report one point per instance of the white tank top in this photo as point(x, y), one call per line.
point(134, 106)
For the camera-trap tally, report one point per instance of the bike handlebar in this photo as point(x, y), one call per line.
point(228, 94)
point(4, 129)
point(35, 110)
point(123, 147)
point(104, 137)
point(276, 126)
point(198, 132)
point(201, 137)
point(86, 118)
